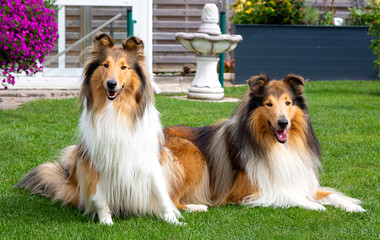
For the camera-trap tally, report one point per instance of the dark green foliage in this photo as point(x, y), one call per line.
point(267, 12)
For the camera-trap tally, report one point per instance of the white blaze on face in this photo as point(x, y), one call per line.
point(278, 111)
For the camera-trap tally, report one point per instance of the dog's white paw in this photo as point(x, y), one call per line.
point(354, 208)
point(345, 203)
point(314, 206)
point(106, 220)
point(171, 218)
point(196, 208)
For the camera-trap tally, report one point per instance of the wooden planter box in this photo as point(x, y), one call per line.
point(315, 52)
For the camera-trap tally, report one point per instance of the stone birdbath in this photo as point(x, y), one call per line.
point(208, 43)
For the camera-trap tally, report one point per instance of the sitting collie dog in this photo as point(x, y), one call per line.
point(266, 154)
point(116, 168)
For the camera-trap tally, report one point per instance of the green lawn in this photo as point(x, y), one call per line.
point(346, 118)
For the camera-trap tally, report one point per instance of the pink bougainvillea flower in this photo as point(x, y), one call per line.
point(28, 31)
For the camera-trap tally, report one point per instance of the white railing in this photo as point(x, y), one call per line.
point(82, 39)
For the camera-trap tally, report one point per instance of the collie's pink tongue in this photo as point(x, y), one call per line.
point(111, 93)
point(282, 135)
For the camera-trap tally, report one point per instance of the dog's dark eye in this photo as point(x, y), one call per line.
point(106, 65)
point(269, 104)
point(287, 103)
point(123, 67)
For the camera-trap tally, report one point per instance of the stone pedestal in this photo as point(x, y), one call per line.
point(206, 83)
point(208, 43)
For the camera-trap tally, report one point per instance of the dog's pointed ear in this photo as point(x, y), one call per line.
point(103, 39)
point(256, 82)
point(133, 44)
point(295, 82)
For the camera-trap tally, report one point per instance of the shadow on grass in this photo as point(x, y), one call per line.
point(26, 207)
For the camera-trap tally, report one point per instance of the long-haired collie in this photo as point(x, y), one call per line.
point(265, 154)
point(116, 168)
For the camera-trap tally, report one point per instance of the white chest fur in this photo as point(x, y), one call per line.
point(287, 177)
point(125, 156)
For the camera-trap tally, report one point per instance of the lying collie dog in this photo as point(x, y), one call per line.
point(116, 167)
point(266, 154)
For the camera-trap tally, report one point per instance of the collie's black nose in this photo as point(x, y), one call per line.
point(282, 123)
point(111, 84)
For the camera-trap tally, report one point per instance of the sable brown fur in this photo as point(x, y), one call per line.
point(192, 163)
point(136, 90)
point(115, 168)
point(239, 154)
point(249, 129)
point(58, 180)
point(55, 180)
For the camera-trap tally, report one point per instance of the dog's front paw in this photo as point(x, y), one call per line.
point(196, 208)
point(346, 203)
point(106, 220)
point(171, 218)
point(314, 206)
point(354, 208)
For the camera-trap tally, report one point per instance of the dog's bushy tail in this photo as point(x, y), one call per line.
point(54, 180)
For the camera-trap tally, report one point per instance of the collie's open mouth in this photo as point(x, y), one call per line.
point(112, 95)
point(281, 135)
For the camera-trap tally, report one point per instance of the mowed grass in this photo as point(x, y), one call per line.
point(346, 119)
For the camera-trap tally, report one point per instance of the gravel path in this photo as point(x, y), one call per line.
point(14, 98)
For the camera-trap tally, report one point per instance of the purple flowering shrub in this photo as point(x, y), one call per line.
point(27, 33)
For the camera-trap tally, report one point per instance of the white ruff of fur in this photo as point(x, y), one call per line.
point(125, 156)
point(287, 177)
